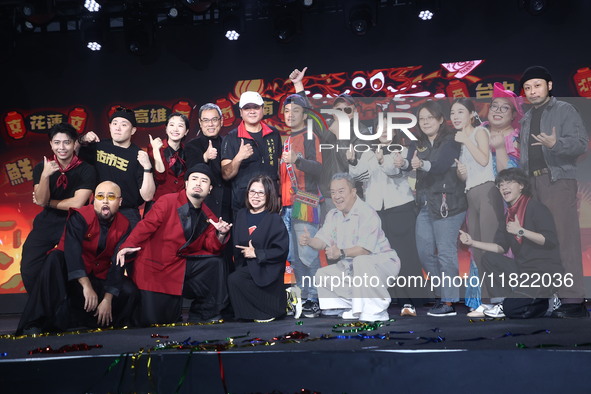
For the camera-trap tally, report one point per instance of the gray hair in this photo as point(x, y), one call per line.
point(344, 175)
point(207, 106)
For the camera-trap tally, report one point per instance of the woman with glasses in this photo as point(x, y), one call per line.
point(169, 163)
point(256, 286)
point(384, 174)
point(528, 229)
point(504, 114)
point(475, 167)
point(441, 201)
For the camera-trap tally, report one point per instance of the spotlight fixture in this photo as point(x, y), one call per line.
point(173, 12)
point(94, 46)
point(534, 7)
point(426, 15)
point(92, 5)
point(360, 20)
point(232, 35)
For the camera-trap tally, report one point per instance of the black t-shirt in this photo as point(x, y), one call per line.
point(254, 219)
point(81, 177)
point(119, 165)
point(535, 153)
point(264, 161)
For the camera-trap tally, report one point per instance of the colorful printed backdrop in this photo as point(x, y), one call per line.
point(25, 142)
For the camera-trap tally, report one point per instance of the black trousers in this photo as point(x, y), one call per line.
point(251, 301)
point(205, 283)
point(55, 304)
point(46, 233)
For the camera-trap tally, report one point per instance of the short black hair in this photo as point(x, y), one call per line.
point(515, 175)
point(64, 128)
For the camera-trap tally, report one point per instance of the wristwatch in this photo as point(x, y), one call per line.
point(521, 232)
point(343, 256)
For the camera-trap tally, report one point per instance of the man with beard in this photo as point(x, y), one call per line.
point(79, 284)
point(178, 247)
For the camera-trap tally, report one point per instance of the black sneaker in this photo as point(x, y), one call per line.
point(311, 309)
point(566, 311)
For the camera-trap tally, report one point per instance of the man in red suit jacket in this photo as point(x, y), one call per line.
point(178, 247)
point(78, 285)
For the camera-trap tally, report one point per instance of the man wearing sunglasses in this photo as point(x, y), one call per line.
point(121, 161)
point(253, 148)
point(79, 284)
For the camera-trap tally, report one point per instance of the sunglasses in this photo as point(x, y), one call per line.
point(347, 110)
point(110, 197)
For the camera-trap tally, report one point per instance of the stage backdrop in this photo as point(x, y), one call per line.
point(25, 141)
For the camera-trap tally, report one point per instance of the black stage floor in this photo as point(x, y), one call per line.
point(420, 354)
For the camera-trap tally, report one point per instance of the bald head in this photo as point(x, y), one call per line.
point(107, 200)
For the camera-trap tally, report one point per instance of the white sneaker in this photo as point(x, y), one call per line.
point(479, 312)
point(349, 315)
point(408, 310)
point(495, 311)
point(294, 301)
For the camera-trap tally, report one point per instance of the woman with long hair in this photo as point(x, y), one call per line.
point(441, 202)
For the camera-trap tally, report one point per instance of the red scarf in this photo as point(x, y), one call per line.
point(518, 210)
point(62, 180)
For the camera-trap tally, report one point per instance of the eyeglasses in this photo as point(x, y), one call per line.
point(110, 197)
point(251, 106)
point(212, 120)
point(347, 110)
point(255, 193)
point(500, 108)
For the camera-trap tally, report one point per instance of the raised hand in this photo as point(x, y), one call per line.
point(350, 155)
point(514, 226)
point(305, 238)
point(544, 139)
point(222, 227)
point(144, 160)
point(248, 251)
point(49, 167)
point(288, 157)
point(380, 156)
point(297, 75)
point(398, 160)
point(211, 153)
point(89, 138)
point(245, 150)
point(415, 162)
point(461, 137)
point(156, 143)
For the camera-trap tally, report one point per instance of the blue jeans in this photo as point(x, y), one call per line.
point(303, 259)
point(437, 241)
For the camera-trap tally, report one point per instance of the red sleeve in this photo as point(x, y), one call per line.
point(147, 226)
point(159, 177)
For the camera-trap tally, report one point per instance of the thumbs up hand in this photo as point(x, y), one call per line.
point(211, 153)
point(415, 162)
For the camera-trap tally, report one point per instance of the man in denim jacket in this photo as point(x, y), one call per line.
point(552, 138)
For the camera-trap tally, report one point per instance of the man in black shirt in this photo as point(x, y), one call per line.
point(61, 182)
point(120, 161)
point(253, 148)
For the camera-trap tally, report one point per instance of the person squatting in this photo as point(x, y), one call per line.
point(224, 213)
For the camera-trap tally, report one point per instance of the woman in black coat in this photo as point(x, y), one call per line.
point(257, 291)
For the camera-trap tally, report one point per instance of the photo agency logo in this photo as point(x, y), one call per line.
point(348, 127)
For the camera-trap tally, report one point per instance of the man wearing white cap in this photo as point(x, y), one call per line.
point(253, 148)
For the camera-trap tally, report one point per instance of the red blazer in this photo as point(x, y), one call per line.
point(166, 182)
point(98, 265)
point(162, 235)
